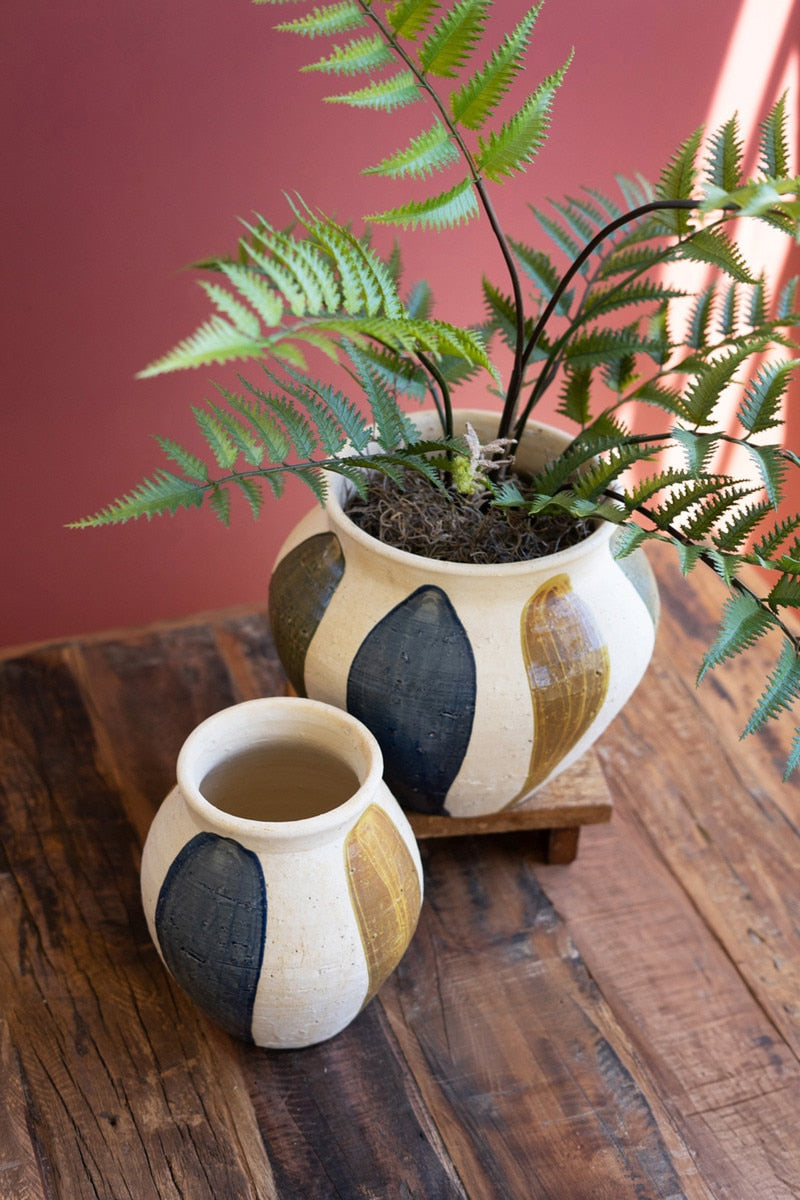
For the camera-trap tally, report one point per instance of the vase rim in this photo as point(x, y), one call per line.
point(277, 714)
point(559, 559)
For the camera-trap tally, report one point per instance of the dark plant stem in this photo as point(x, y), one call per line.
point(633, 214)
point(444, 407)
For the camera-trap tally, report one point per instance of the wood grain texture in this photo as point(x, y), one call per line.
point(627, 1026)
point(128, 1092)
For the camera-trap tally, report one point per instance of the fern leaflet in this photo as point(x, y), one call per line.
point(432, 151)
point(744, 621)
point(452, 42)
point(382, 95)
point(520, 138)
point(473, 103)
point(782, 690)
point(444, 211)
point(328, 19)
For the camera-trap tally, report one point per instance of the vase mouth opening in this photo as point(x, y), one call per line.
point(550, 442)
point(278, 768)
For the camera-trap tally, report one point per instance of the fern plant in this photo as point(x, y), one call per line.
point(593, 318)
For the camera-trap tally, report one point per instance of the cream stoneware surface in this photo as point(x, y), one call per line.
point(480, 682)
point(281, 930)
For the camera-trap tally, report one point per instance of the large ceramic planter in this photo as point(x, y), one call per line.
point(480, 683)
point(281, 930)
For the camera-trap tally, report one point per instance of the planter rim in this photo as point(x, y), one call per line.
point(338, 486)
point(280, 712)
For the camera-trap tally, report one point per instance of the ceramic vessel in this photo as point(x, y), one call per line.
point(281, 930)
point(480, 683)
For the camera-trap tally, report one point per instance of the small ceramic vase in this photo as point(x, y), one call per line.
point(281, 930)
point(481, 683)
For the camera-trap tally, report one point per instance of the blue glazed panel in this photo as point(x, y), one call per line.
point(211, 924)
point(412, 682)
point(301, 588)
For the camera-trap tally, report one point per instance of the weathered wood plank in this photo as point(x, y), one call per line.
point(345, 1120)
point(128, 1092)
point(536, 1090)
point(20, 1178)
point(686, 912)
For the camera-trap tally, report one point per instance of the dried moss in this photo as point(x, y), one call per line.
point(453, 528)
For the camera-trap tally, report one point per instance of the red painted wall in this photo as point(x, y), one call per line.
point(135, 135)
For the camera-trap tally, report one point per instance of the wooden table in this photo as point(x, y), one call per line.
point(624, 1027)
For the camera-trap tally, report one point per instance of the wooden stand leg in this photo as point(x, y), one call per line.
point(562, 845)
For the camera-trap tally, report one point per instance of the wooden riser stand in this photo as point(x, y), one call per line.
point(579, 796)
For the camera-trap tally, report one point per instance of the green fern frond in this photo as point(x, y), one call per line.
point(700, 399)
point(785, 307)
point(359, 56)
point(452, 42)
point(298, 268)
point(576, 396)
point(193, 467)
point(744, 621)
point(774, 144)
point(793, 760)
point(432, 151)
point(785, 593)
point(727, 316)
point(164, 493)
point(219, 441)
point(669, 400)
point(759, 303)
point(760, 407)
point(502, 313)
point(473, 103)
point(243, 318)
point(539, 268)
point(250, 447)
point(677, 182)
point(382, 95)
point(705, 517)
point(367, 282)
point(601, 301)
point(771, 465)
point(610, 207)
point(326, 20)
point(684, 498)
point(700, 320)
point(299, 431)
point(399, 372)
point(408, 18)
point(597, 477)
point(257, 411)
point(445, 211)
point(767, 548)
point(354, 429)
point(252, 493)
point(714, 247)
point(523, 135)
point(635, 191)
point(630, 260)
point(561, 238)
point(699, 448)
point(781, 692)
point(724, 167)
point(740, 527)
point(314, 478)
point(391, 426)
point(620, 372)
point(599, 346)
point(256, 291)
point(216, 341)
point(642, 491)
